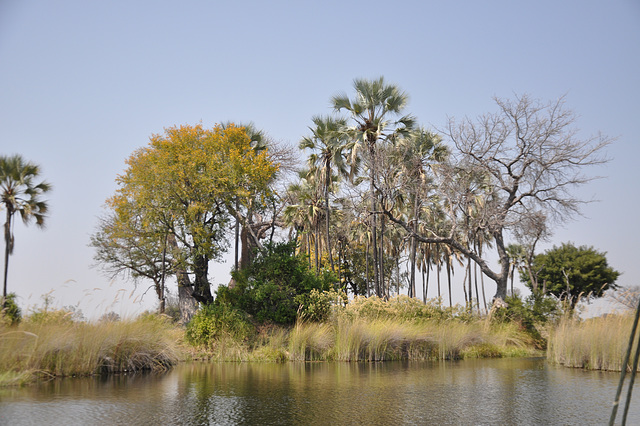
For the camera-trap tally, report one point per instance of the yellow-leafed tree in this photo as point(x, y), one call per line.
point(181, 191)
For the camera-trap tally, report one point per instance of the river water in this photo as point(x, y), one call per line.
point(470, 392)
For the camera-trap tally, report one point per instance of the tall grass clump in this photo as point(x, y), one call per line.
point(221, 332)
point(372, 329)
point(310, 341)
point(595, 343)
point(364, 329)
point(52, 344)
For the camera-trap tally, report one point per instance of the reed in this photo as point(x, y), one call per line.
point(376, 330)
point(58, 346)
point(596, 343)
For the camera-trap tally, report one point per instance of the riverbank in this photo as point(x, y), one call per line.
point(369, 330)
point(56, 346)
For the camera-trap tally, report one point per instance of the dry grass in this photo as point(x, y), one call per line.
point(61, 347)
point(402, 328)
point(596, 343)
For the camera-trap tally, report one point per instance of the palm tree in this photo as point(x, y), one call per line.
point(374, 103)
point(416, 155)
point(20, 194)
point(328, 140)
point(517, 255)
point(304, 209)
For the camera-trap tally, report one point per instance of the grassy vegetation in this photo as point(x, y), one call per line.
point(596, 343)
point(366, 329)
point(51, 344)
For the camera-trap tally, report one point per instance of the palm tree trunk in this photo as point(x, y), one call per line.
point(448, 265)
point(326, 202)
point(8, 243)
point(513, 272)
point(374, 241)
point(366, 268)
point(412, 281)
point(316, 247)
point(424, 287)
point(470, 283)
point(384, 286)
point(475, 281)
point(438, 267)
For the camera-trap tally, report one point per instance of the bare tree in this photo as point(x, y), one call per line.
point(530, 159)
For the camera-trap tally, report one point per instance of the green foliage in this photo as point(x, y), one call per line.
point(19, 193)
point(316, 305)
point(530, 314)
point(215, 322)
point(269, 289)
point(10, 313)
point(46, 314)
point(573, 273)
point(402, 308)
point(175, 200)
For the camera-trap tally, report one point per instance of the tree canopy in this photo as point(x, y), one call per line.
point(20, 193)
point(572, 273)
point(382, 199)
point(180, 191)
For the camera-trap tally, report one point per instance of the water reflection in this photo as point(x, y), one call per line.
point(507, 391)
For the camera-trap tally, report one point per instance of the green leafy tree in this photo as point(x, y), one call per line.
point(573, 273)
point(181, 191)
point(20, 194)
point(10, 313)
point(272, 289)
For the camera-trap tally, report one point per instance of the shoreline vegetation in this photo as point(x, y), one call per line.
point(51, 343)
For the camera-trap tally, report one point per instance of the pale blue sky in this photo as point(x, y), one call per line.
point(83, 84)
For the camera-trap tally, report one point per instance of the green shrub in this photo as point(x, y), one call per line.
point(271, 287)
point(215, 322)
point(316, 306)
point(531, 314)
point(402, 308)
point(10, 313)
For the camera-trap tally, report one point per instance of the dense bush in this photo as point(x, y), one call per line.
point(272, 289)
point(214, 322)
point(10, 312)
point(531, 314)
point(403, 308)
point(317, 305)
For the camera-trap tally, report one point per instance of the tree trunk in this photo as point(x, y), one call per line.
point(448, 265)
point(316, 248)
point(502, 279)
point(439, 269)
point(8, 248)
point(366, 268)
point(470, 284)
point(426, 282)
point(385, 288)
point(412, 281)
point(188, 305)
point(475, 282)
point(237, 237)
point(326, 201)
point(202, 288)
